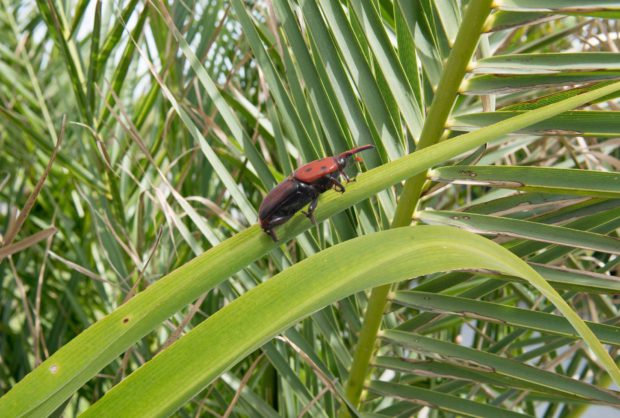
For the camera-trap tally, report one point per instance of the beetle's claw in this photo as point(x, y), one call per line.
point(309, 215)
point(347, 178)
point(272, 234)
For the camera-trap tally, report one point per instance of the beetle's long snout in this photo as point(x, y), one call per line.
point(350, 152)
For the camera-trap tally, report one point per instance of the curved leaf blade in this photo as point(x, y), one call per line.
point(523, 229)
point(575, 123)
point(494, 312)
point(450, 403)
point(473, 374)
point(534, 179)
point(611, 8)
point(507, 83)
point(498, 364)
point(550, 63)
point(245, 324)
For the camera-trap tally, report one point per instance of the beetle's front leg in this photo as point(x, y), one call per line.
point(337, 185)
point(347, 178)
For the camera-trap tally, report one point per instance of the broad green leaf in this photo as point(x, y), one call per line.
point(265, 311)
point(409, 104)
point(549, 39)
point(336, 80)
point(282, 97)
point(534, 179)
point(430, 347)
point(248, 211)
point(507, 83)
point(601, 8)
point(359, 70)
point(536, 231)
point(407, 54)
point(575, 123)
point(227, 113)
point(93, 64)
point(317, 92)
point(520, 205)
point(559, 95)
point(501, 20)
point(280, 363)
point(450, 14)
point(599, 223)
point(307, 113)
point(12, 117)
point(473, 374)
point(453, 404)
point(80, 8)
point(419, 28)
point(114, 36)
point(548, 63)
point(578, 280)
point(71, 56)
point(254, 404)
point(121, 71)
point(495, 312)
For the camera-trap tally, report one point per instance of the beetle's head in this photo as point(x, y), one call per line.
point(341, 161)
point(343, 158)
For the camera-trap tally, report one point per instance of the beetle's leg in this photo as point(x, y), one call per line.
point(346, 177)
point(311, 208)
point(269, 231)
point(337, 185)
point(272, 234)
point(273, 222)
point(314, 192)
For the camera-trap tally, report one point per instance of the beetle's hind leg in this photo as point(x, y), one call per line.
point(272, 234)
point(269, 231)
point(311, 209)
point(272, 223)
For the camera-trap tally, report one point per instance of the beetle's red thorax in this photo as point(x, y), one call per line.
point(314, 170)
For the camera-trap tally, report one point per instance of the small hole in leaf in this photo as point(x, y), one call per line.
point(53, 369)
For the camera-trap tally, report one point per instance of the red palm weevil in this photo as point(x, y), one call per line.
point(304, 186)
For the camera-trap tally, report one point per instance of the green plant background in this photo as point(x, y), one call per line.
point(138, 138)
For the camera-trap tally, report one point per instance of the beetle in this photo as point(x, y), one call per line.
point(303, 187)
